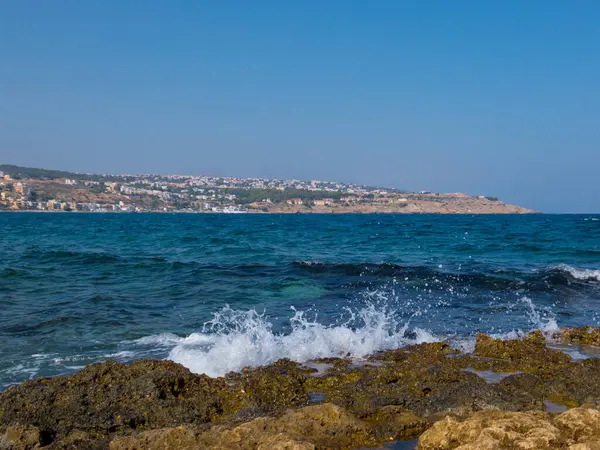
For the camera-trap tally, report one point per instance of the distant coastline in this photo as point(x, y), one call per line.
point(43, 190)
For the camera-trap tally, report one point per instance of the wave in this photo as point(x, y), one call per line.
point(235, 339)
point(493, 279)
point(580, 274)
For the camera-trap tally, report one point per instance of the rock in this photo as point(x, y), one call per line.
point(577, 428)
point(575, 384)
point(274, 388)
point(20, 437)
point(113, 397)
point(170, 438)
point(580, 424)
point(395, 396)
point(423, 379)
point(320, 426)
point(492, 430)
point(526, 355)
point(396, 423)
point(579, 335)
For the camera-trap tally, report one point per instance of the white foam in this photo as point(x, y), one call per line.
point(236, 339)
point(163, 339)
point(580, 274)
point(543, 320)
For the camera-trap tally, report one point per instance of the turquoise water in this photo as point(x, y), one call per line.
point(218, 292)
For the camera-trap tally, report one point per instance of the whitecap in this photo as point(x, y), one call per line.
point(580, 274)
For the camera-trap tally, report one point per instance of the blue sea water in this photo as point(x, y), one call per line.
point(220, 292)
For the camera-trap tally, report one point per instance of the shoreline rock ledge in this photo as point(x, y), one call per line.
point(512, 394)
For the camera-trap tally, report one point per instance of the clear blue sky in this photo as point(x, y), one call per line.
point(486, 97)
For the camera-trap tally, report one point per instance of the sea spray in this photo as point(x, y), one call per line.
point(235, 339)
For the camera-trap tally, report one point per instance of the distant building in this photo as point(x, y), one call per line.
point(70, 182)
point(295, 201)
point(1, 174)
point(324, 202)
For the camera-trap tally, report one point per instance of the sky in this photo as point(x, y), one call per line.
point(485, 97)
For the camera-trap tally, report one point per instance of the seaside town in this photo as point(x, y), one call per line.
point(28, 189)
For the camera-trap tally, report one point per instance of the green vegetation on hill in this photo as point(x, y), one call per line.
point(246, 196)
point(19, 172)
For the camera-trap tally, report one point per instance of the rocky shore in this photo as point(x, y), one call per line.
point(514, 394)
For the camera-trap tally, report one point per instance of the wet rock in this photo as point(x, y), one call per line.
point(422, 380)
point(580, 335)
point(113, 397)
point(395, 396)
point(274, 388)
point(526, 355)
point(426, 352)
point(575, 384)
point(392, 423)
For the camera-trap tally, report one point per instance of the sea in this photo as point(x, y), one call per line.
point(219, 292)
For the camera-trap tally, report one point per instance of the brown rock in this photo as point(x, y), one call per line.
point(321, 426)
point(577, 429)
point(492, 430)
point(116, 398)
point(20, 437)
point(170, 438)
point(580, 335)
point(527, 355)
point(580, 424)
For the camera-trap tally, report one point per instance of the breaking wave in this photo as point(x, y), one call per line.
point(235, 339)
point(580, 274)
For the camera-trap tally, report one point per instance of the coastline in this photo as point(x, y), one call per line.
point(416, 213)
point(521, 393)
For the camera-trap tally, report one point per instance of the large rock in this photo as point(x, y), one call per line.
point(578, 428)
point(169, 438)
point(528, 355)
point(116, 398)
point(20, 437)
point(580, 335)
point(319, 426)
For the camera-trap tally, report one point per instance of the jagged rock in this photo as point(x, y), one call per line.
point(276, 387)
point(169, 438)
point(320, 426)
point(578, 428)
point(20, 437)
point(422, 379)
point(579, 335)
point(492, 430)
point(113, 397)
point(527, 355)
point(396, 395)
point(396, 423)
point(580, 424)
